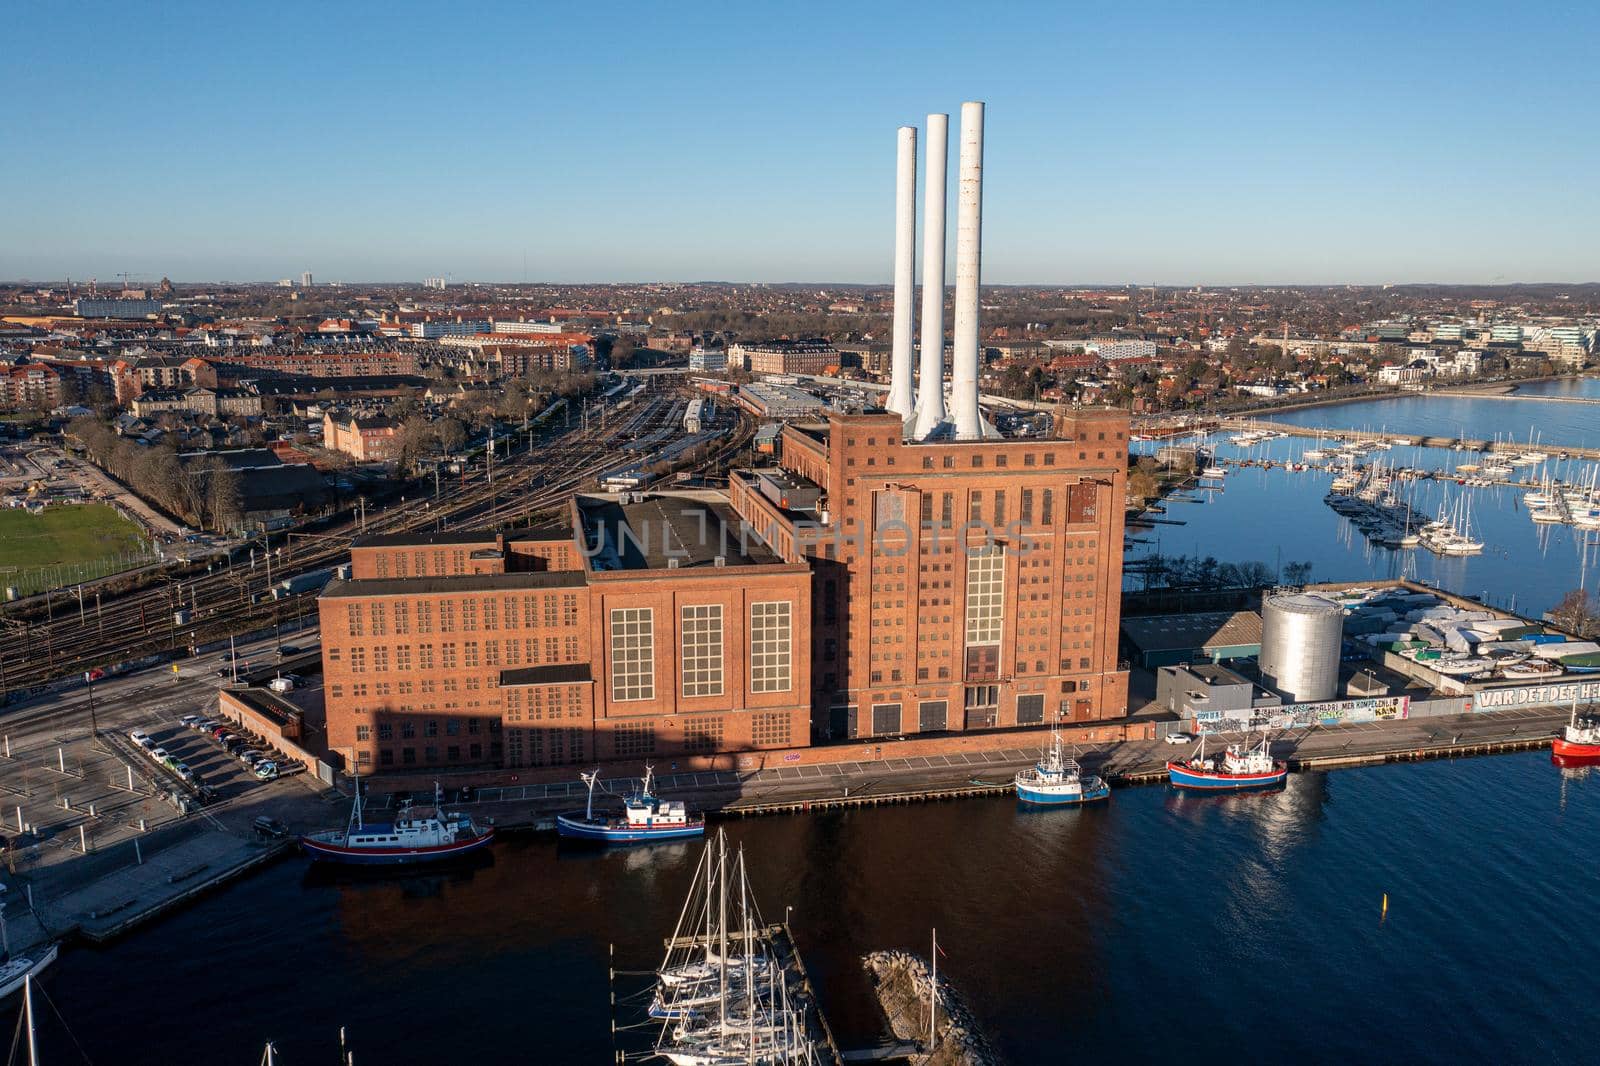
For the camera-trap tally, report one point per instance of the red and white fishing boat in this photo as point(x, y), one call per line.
point(1579, 738)
point(1239, 767)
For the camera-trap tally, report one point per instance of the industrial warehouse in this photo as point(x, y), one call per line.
point(895, 572)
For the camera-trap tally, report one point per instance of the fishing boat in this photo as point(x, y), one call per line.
point(1579, 738)
point(1058, 780)
point(645, 817)
point(413, 837)
point(1238, 767)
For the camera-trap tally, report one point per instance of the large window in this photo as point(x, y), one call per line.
point(702, 650)
point(633, 653)
point(770, 647)
point(986, 572)
point(885, 718)
point(1030, 708)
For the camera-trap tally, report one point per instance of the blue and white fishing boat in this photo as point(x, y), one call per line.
point(645, 817)
point(1058, 780)
point(1236, 768)
point(411, 838)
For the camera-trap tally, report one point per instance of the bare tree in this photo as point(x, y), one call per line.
point(1578, 613)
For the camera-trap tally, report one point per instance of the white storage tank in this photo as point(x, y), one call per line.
point(1301, 638)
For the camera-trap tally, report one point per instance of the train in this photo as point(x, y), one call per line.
point(314, 581)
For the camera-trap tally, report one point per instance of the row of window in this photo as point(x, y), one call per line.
point(469, 614)
point(701, 650)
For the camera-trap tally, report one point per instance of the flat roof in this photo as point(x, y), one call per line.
point(660, 531)
point(480, 536)
point(556, 674)
point(396, 540)
point(422, 586)
point(1203, 629)
point(1212, 673)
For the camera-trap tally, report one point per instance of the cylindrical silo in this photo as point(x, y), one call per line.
point(1301, 637)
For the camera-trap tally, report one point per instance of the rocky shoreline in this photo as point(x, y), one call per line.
point(901, 981)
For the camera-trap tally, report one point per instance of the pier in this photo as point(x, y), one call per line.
point(1396, 436)
point(894, 781)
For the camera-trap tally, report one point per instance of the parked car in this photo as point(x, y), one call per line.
point(141, 738)
point(191, 721)
point(270, 827)
point(158, 754)
point(234, 746)
point(250, 757)
point(220, 730)
point(1179, 738)
point(266, 769)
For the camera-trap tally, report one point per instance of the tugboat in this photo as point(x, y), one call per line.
point(411, 838)
point(1238, 767)
point(1579, 739)
point(645, 817)
point(1058, 780)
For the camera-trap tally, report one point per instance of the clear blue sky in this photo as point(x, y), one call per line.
point(1174, 143)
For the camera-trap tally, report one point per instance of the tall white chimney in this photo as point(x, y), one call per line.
point(969, 253)
point(930, 388)
point(901, 394)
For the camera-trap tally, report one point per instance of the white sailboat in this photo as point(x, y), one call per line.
point(721, 994)
point(15, 973)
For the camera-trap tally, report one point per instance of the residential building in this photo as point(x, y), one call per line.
point(784, 357)
point(365, 438)
point(114, 307)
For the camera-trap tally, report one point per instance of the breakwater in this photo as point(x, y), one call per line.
point(905, 988)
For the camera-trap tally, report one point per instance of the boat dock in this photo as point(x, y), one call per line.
point(875, 780)
point(1396, 436)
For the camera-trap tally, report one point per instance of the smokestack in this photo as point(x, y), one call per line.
point(969, 254)
point(901, 398)
point(930, 389)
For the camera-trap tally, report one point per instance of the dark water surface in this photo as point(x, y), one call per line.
point(1159, 926)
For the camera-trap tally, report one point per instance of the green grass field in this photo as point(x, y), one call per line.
point(64, 545)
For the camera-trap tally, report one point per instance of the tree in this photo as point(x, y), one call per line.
point(451, 434)
point(414, 439)
point(1578, 613)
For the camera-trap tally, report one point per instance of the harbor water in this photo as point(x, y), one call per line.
point(1266, 512)
point(1159, 926)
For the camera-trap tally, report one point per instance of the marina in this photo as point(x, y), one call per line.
point(1314, 857)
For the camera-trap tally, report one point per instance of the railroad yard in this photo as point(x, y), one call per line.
point(188, 604)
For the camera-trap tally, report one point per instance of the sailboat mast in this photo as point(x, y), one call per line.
point(749, 961)
point(722, 920)
point(27, 1006)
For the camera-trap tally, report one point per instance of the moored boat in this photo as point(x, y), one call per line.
point(1058, 780)
point(1579, 738)
point(14, 973)
point(1238, 767)
point(412, 838)
point(645, 817)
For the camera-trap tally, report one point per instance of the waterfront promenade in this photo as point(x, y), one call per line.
point(882, 776)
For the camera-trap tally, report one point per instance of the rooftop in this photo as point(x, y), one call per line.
point(459, 536)
point(556, 674)
point(662, 531)
point(1205, 629)
point(424, 586)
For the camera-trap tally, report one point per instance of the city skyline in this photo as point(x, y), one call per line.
point(1229, 147)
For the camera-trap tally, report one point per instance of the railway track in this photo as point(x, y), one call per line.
point(224, 601)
